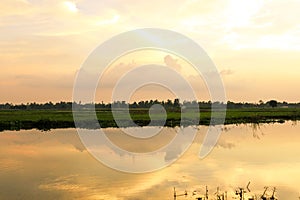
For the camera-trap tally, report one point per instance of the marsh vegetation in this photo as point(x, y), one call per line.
point(60, 115)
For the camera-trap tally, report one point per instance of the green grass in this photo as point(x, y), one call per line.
point(47, 119)
point(261, 115)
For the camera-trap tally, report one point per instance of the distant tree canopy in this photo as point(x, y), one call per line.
point(168, 104)
point(273, 103)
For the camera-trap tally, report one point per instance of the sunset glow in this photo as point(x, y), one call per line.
point(44, 43)
point(71, 6)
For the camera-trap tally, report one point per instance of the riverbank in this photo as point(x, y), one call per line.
point(50, 119)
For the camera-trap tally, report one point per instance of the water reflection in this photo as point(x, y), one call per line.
point(55, 165)
point(116, 157)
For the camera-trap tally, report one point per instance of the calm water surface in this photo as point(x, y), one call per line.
point(55, 165)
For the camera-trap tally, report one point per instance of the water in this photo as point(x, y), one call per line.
point(55, 165)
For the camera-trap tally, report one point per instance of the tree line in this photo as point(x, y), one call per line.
point(168, 104)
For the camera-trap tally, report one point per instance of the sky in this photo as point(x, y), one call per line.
point(255, 45)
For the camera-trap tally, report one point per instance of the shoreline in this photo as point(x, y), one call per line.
point(52, 119)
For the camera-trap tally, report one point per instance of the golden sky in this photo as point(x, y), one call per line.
point(254, 44)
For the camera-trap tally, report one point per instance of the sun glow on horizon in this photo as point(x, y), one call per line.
point(254, 44)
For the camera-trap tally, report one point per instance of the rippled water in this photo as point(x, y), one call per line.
point(55, 165)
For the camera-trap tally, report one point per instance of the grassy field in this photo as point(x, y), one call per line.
point(48, 119)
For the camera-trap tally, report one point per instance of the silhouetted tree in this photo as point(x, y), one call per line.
point(176, 103)
point(273, 103)
point(169, 104)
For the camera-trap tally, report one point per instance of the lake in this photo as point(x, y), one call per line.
point(56, 165)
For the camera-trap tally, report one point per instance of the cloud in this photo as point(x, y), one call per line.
point(14, 7)
point(56, 35)
point(45, 81)
point(173, 63)
point(225, 72)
